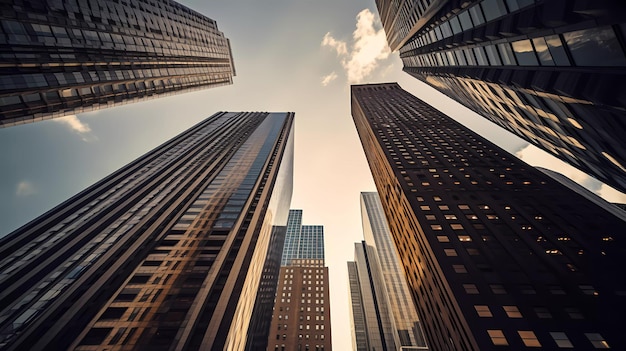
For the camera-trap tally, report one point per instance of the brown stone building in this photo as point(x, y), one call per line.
point(301, 319)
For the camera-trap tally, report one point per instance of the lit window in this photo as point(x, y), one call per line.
point(450, 252)
point(443, 239)
point(436, 227)
point(497, 337)
point(465, 238)
point(597, 341)
point(512, 311)
point(529, 338)
point(483, 311)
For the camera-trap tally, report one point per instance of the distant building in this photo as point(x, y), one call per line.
point(165, 253)
point(301, 319)
point(551, 72)
point(497, 255)
point(64, 57)
point(382, 305)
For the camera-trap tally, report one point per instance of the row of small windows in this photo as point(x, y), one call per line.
point(498, 289)
point(474, 16)
point(529, 338)
point(588, 47)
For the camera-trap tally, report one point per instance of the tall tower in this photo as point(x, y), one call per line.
point(66, 57)
point(301, 319)
point(497, 255)
point(165, 253)
point(395, 289)
point(550, 72)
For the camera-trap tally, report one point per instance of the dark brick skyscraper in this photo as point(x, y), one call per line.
point(64, 57)
point(165, 253)
point(550, 71)
point(498, 255)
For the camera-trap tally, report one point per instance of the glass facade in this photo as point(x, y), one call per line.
point(302, 241)
point(537, 68)
point(166, 252)
point(65, 57)
point(496, 254)
point(394, 287)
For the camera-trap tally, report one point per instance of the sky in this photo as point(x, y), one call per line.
point(290, 55)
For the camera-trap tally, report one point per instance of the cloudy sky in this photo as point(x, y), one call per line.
point(290, 55)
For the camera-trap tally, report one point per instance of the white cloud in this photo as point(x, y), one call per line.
point(339, 46)
point(76, 126)
point(368, 49)
point(25, 188)
point(329, 78)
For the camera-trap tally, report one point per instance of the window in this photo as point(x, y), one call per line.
point(529, 338)
point(459, 268)
point(512, 311)
point(450, 252)
point(561, 340)
point(524, 53)
point(497, 289)
point(497, 337)
point(443, 239)
point(507, 54)
point(483, 311)
point(470, 289)
point(543, 313)
point(595, 47)
point(456, 226)
point(597, 341)
point(436, 227)
point(555, 46)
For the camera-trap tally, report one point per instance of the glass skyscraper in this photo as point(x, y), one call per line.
point(302, 241)
point(497, 255)
point(62, 57)
point(165, 253)
point(382, 310)
point(549, 71)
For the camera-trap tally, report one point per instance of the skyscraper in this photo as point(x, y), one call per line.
point(383, 262)
point(497, 255)
point(301, 318)
point(551, 72)
point(382, 310)
point(165, 253)
point(70, 56)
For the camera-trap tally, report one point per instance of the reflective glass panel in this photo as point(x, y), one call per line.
point(524, 53)
point(595, 47)
point(542, 52)
point(556, 49)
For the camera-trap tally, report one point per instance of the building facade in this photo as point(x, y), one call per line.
point(497, 255)
point(550, 72)
point(373, 323)
point(377, 236)
point(165, 253)
point(70, 56)
point(301, 318)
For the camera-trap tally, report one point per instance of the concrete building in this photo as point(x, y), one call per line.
point(301, 319)
point(497, 255)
